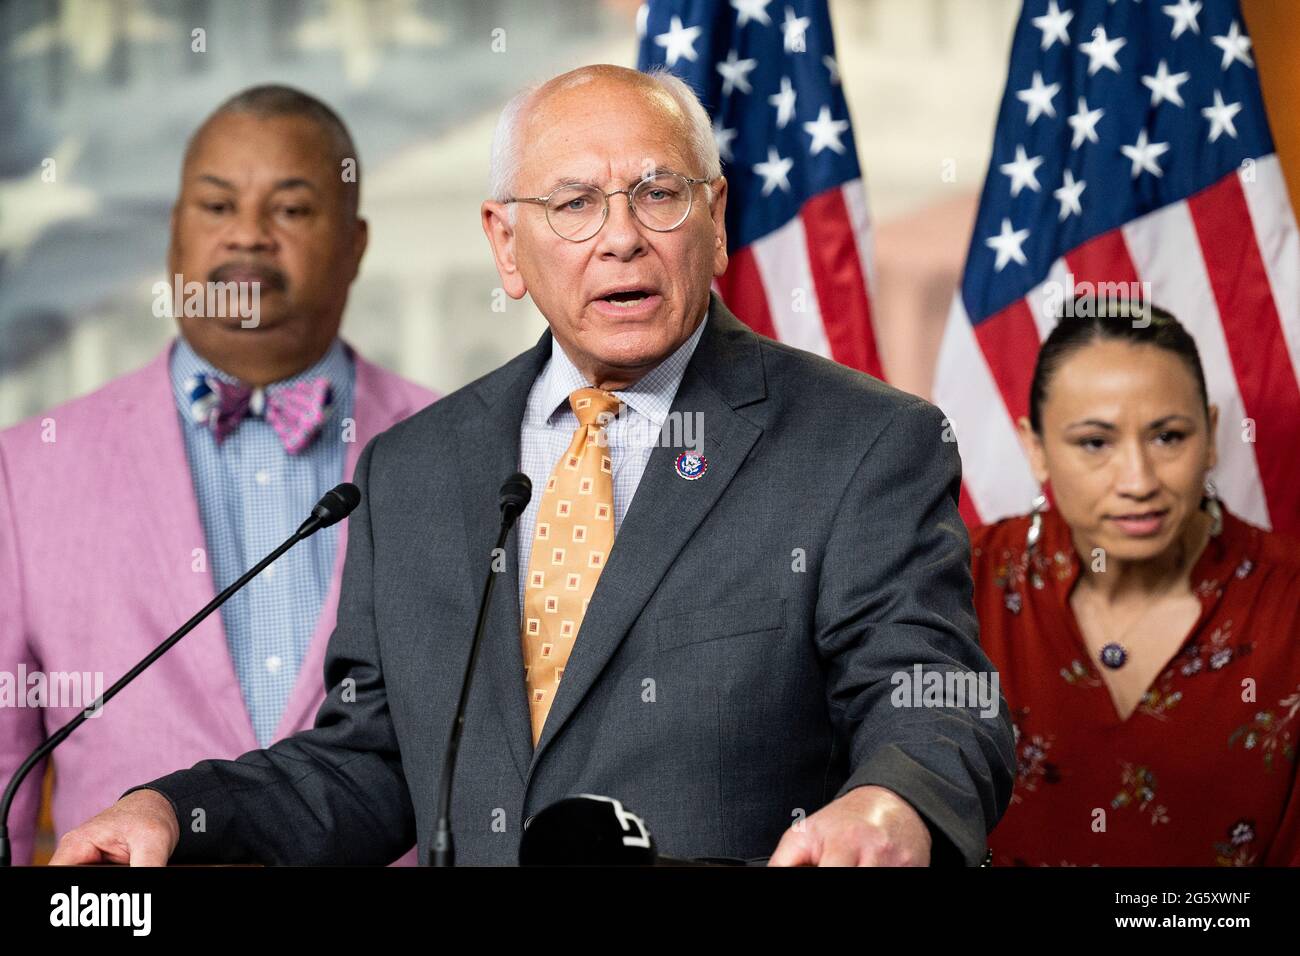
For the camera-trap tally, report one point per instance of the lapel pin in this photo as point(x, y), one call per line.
point(691, 466)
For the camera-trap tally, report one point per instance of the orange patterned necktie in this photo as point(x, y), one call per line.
point(575, 532)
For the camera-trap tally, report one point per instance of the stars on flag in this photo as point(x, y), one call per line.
point(1038, 97)
point(1144, 154)
point(763, 100)
point(826, 132)
point(1084, 124)
point(783, 100)
point(735, 73)
point(1184, 15)
point(1220, 116)
point(1164, 85)
point(774, 171)
point(1101, 51)
point(1068, 196)
point(723, 137)
point(678, 42)
point(1235, 46)
point(1053, 25)
point(1022, 171)
point(794, 31)
point(1008, 244)
point(833, 68)
point(748, 75)
point(1106, 117)
point(751, 10)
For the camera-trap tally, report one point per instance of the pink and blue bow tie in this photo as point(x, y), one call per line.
point(296, 412)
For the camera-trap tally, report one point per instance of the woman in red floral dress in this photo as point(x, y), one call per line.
point(1148, 640)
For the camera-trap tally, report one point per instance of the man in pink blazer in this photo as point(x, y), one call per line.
point(125, 511)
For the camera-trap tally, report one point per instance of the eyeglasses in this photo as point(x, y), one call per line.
point(577, 211)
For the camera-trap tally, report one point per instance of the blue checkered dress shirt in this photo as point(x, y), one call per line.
point(252, 495)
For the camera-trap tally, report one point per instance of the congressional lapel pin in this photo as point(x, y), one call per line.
point(691, 466)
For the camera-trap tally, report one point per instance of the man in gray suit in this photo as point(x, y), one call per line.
point(723, 640)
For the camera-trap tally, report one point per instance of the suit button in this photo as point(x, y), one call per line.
point(527, 820)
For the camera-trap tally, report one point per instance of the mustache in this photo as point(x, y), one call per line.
point(270, 278)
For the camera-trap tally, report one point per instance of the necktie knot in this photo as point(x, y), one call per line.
point(593, 406)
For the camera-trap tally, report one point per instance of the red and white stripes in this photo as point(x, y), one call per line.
point(807, 283)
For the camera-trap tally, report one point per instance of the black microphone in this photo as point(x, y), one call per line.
point(336, 505)
point(590, 830)
point(587, 830)
point(515, 495)
point(513, 498)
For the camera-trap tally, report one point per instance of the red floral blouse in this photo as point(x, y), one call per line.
point(1203, 772)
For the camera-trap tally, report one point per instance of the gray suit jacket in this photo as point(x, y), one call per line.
point(733, 671)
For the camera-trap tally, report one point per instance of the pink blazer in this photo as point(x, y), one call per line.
point(98, 531)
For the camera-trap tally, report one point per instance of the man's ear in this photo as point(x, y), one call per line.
point(171, 242)
point(174, 277)
point(1033, 446)
point(360, 240)
point(500, 233)
point(718, 212)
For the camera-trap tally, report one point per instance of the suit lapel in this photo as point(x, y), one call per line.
point(155, 451)
point(495, 434)
point(725, 373)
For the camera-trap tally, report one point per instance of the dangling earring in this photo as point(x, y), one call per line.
point(1012, 600)
point(1213, 508)
point(1035, 521)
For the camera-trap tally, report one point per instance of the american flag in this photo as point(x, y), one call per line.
point(1132, 147)
point(798, 231)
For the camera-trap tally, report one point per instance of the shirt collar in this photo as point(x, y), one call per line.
point(335, 365)
point(652, 395)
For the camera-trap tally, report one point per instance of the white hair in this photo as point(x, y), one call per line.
point(503, 168)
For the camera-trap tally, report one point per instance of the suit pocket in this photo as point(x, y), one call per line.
point(720, 621)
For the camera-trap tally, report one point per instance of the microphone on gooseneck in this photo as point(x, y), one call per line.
point(515, 495)
point(513, 499)
point(334, 506)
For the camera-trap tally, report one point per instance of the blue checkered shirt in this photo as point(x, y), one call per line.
point(549, 424)
point(252, 495)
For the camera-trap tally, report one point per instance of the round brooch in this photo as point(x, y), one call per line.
point(691, 466)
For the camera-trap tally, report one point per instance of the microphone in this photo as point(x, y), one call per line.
point(515, 495)
point(333, 507)
point(513, 499)
point(590, 830)
point(587, 830)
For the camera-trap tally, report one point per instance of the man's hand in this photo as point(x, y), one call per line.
point(868, 826)
point(140, 829)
